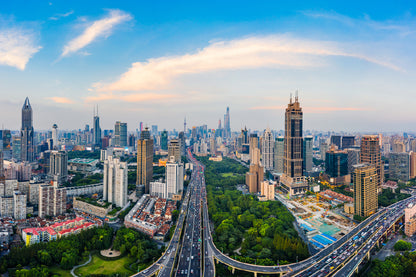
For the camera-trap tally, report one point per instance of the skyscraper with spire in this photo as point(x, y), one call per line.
point(293, 158)
point(97, 129)
point(26, 133)
point(292, 179)
point(227, 127)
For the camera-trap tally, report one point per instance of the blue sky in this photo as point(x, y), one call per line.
point(157, 62)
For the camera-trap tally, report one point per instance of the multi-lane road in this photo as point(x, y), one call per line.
point(196, 251)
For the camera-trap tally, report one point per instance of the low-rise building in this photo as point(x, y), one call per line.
point(95, 208)
point(82, 165)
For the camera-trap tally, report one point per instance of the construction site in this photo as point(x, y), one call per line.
point(321, 216)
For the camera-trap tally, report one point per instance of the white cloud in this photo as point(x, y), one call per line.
point(61, 100)
point(60, 15)
point(99, 28)
point(17, 46)
point(253, 52)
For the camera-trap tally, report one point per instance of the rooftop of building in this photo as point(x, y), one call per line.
point(83, 161)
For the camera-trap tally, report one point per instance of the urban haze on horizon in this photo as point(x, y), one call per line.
point(349, 62)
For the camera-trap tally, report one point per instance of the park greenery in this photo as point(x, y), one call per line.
point(245, 228)
point(388, 197)
point(137, 246)
point(394, 266)
point(101, 267)
point(66, 252)
point(402, 245)
point(82, 180)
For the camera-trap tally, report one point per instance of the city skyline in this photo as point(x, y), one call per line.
point(194, 60)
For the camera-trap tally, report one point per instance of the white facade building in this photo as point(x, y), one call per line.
point(174, 178)
point(115, 181)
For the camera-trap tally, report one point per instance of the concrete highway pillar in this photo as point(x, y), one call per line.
point(368, 255)
point(356, 270)
point(233, 270)
point(394, 228)
point(255, 274)
point(378, 243)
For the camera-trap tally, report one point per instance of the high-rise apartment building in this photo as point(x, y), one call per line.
point(279, 152)
point(307, 153)
point(58, 165)
point(174, 178)
point(54, 136)
point(26, 133)
point(115, 181)
point(365, 180)
point(144, 161)
point(254, 177)
point(370, 153)
point(212, 145)
point(399, 166)
point(412, 165)
point(268, 149)
point(174, 150)
point(120, 134)
point(19, 205)
point(52, 200)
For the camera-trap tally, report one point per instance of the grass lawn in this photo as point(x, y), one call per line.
point(98, 266)
point(228, 174)
point(56, 270)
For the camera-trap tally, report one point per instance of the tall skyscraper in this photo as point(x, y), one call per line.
point(145, 134)
point(254, 177)
point(336, 163)
point(182, 140)
point(26, 133)
point(268, 149)
point(2, 176)
point(58, 165)
point(307, 153)
point(293, 159)
point(120, 134)
point(254, 144)
point(399, 166)
point(292, 180)
point(336, 140)
point(164, 140)
point(365, 189)
point(115, 181)
point(144, 161)
point(97, 130)
point(370, 153)
point(279, 151)
point(412, 165)
point(174, 150)
point(348, 141)
point(353, 158)
point(19, 205)
point(141, 126)
point(227, 126)
point(55, 136)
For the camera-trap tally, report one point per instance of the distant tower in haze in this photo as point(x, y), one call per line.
point(97, 129)
point(26, 133)
point(227, 127)
point(120, 134)
point(55, 136)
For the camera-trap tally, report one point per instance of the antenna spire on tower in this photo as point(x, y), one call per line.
point(296, 96)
